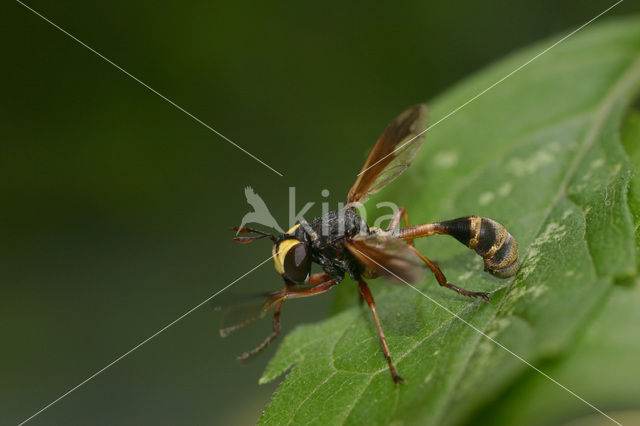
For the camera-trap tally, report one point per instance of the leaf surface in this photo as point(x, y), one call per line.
point(540, 153)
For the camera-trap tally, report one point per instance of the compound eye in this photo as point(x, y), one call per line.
point(296, 263)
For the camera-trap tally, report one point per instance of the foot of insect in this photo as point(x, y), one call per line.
point(482, 294)
point(397, 379)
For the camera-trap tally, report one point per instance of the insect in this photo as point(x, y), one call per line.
point(342, 243)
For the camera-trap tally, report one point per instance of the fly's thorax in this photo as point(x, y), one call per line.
point(337, 225)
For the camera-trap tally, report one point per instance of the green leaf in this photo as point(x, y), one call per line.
point(540, 153)
point(631, 141)
point(605, 345)
point(601, 366)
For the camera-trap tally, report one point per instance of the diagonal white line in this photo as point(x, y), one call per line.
point(495, 84)
point(150, 88)
point(495, 341)
point(275, 171)
point(143, 342)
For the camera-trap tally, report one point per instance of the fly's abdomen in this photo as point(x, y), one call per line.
point(489, 239)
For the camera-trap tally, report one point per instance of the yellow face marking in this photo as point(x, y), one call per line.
point(292, 230)
point(283, 248)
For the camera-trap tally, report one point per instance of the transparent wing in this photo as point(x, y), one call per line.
point(392, 154)
point(387, 256)
point(236, 316)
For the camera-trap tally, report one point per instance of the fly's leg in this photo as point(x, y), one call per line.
point(366, 294)
point(319, 278)
point(394, 225)
point(278, 300)
point(265, 343)
point(442, 280)
point(408, 234)
point(313, 291)
point(488, 238)
point(395, 219)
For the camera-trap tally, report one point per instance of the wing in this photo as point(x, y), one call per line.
point(387, 256)
point(239, 315)
point(392, 154)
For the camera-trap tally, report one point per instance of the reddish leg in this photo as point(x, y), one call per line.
point(276, 330)
point(246, 230)
point(394, 225)
point(319, 278)
point(409, 233)
point(317, 289)
point(278, 300)
point(442, 280)
point(395, 219)
point(366, 294)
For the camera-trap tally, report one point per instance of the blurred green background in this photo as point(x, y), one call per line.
point(116, 206)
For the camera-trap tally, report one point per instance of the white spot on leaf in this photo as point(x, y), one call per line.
point(485, 198)
point(505, 189)
point(552, 233)
point(465, 276)
point(539, 159)
point(534, 291)
point(446, 159)
point(616, 169)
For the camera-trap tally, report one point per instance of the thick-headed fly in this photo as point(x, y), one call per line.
point(342, 243)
